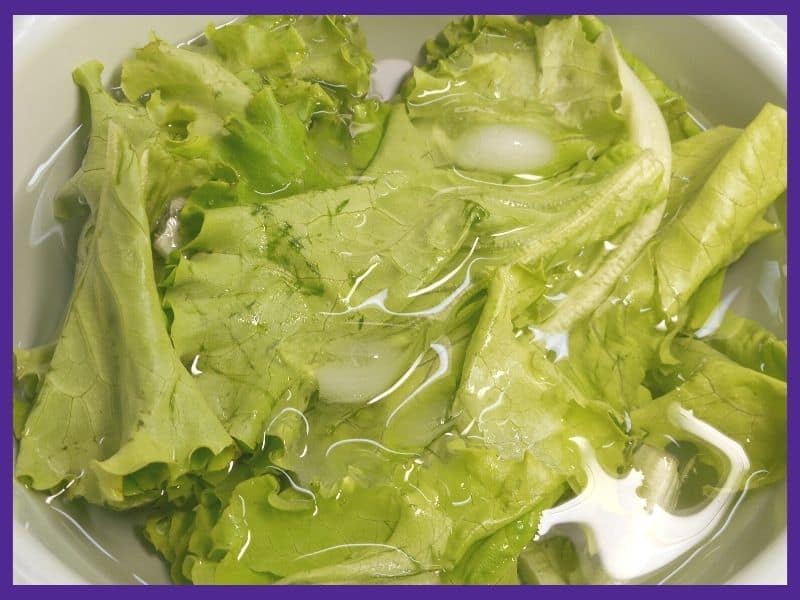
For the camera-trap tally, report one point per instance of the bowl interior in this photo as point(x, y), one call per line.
point(740, 70)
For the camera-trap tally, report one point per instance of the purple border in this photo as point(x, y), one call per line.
point(406, 7)
point(792, 290)
point(633, 7)
point(6, 297)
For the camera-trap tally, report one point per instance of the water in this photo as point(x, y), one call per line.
point(631, 539)
point(368, 376)
point(50, 243)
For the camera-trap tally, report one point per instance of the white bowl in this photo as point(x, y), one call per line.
point(726, 66)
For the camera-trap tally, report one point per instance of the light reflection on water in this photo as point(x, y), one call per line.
point(631, 539)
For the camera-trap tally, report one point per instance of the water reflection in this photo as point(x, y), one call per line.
point(631, 539)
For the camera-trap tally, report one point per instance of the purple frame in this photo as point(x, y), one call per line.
point(407, 7)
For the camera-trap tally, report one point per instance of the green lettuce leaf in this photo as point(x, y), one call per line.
point(611, 349)
point(750, 345)
point(552, 561)
point(514, 398)
point(490, 79)
point(282, 102)
point(297, 288)
point(449, 505)
point(744, 404)
point(725, 216)
point(117, 416)
point(87, 183)
point(30, 368)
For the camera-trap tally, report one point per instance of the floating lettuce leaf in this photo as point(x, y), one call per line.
point(280, 101)
point(491, 79)
point(611, 349)
point(726, 215)
point(750, 345)
point(300, 266)
point(164, 174)
point(513, 397)
point(431, 513)
point(744, 404)
point(329, 50)
point(117, 416)
point(30, 368)
point(87, 184)
point(180, 75)
point(693, 161)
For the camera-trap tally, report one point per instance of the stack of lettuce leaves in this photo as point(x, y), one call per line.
point(330, 339)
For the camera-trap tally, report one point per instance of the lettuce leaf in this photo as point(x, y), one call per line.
point(546, 81)
point(449, 504)
point(282, 102)
point(117, 417)
point(750, 345)
point(513, 396)
point(744, 404)
point(296, 288)
point(611, 349)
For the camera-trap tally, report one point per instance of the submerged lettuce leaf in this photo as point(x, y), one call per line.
point(117, 416)
point(673, 106)
point(611, 349)
point(281, 101)
point(297, 286)
point(553, 561)
point(490, 76)
point(449, 505)
point(745, 404)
